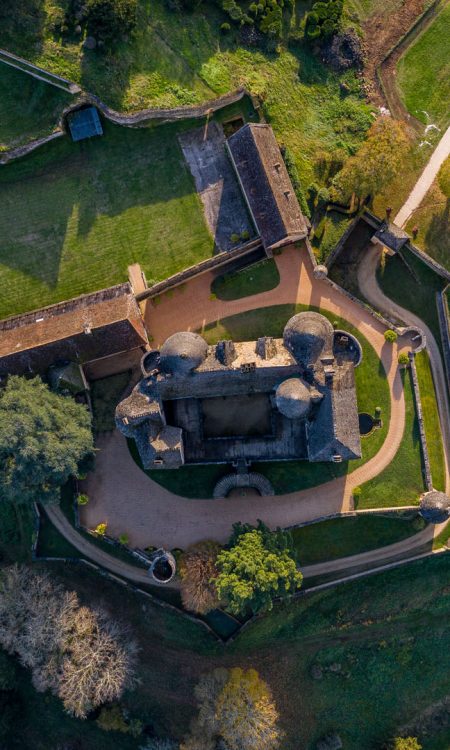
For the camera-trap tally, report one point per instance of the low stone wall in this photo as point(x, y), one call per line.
point(444, 324)
point(423, 440)
point(219, 261)
point(187, 112)
point(430, 262)
point(16, 153)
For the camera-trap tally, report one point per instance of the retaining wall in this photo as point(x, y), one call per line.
point(444, 324)
point(219, 261)
point(423, 439)
point(16, 153)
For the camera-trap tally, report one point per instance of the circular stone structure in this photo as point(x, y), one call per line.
point(150, 362)
point(307, 336)
point(163, 567)
point(320, 272)
point(226, 486)
point(293, 398)
point(347, 346)
point(366, 423)
point(182, 353)
point(435, 507)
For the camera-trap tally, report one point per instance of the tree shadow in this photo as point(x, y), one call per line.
point(437, 236)
point(22, 26)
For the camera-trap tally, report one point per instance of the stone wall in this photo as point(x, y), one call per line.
point(222, 261)
point(423, 440)
point(27, 148)
point(444, 324)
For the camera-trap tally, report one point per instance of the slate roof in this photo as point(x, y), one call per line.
point(392, 236)
point(335, 430)
point(308, 336)
point(84, 123)
point(293, 398)
point(266, 185)
point(182, 352)
point(435, 507)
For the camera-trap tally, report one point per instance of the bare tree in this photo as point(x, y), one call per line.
point(80, 655)
point(198, 572)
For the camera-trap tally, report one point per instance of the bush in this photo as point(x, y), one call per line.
point(82, 499)
point(323, 197)
point(225, 28)
point(110, 20)
point(403, 358)
point(406, 743)
point(245, 235)
point(390, 336)
point(357, 492)
point(124, 539)
point(234, 238)
point(100, 529)
point(111, 719)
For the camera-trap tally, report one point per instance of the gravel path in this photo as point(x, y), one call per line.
point(425, 180)
point(370, 289)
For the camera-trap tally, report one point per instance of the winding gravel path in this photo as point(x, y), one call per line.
point(425, 180)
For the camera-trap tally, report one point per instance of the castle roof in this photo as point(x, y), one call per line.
point(266, 185)
point(435, 507)
point(182, 352)
point(308, 335)
point(293, 398)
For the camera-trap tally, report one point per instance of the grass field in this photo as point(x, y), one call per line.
point(28, 108)
point(431, 420)
point(290, 476)
point(423, 73)
point(433, 219)
point(416, 295)
point(389, 633)
point(401, 482)
point(340, 537)
point(73, 216)
point(260, 277)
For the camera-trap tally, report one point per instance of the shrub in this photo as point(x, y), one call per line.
point(100, 529)
point(124, 539)
point(111, 719)
point(234, 238)
point(323, 197)
point(390, 336)
point(245, 235)
point(111, 19)
point(82, 499)
point(406, 743)
point(225, 28)
point(403, 358)
point(356, 492)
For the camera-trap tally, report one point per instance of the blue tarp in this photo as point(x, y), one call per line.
point(84, 123)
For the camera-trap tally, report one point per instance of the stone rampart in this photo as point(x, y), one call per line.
point(423, 440)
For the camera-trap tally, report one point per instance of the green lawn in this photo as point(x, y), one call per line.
point(28, 108)
point(431, 420)
point(401, 482)
point(16, 531)
point(260, 277)
point(339, 537)
point(423, 73)
point(418, 296)
point(74, 215)
point(286, 476)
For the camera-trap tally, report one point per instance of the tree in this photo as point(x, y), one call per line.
point(81, 656)
point(258, 566)
point(406, 743)
point(44, 439)
point(375, 164)
point(111, 719)
point(111, 19)
point(160, 744)
point(198, 572)
point(235, 706)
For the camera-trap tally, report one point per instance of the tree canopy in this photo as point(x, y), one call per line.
point(375, 164)
point(258, 566)
point(44, 439)
point(236, 708)
point(406, 743)
point(198, 573)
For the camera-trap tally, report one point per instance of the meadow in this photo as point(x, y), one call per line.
point(423, 73)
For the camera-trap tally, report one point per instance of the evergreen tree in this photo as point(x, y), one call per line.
point(44, 439)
